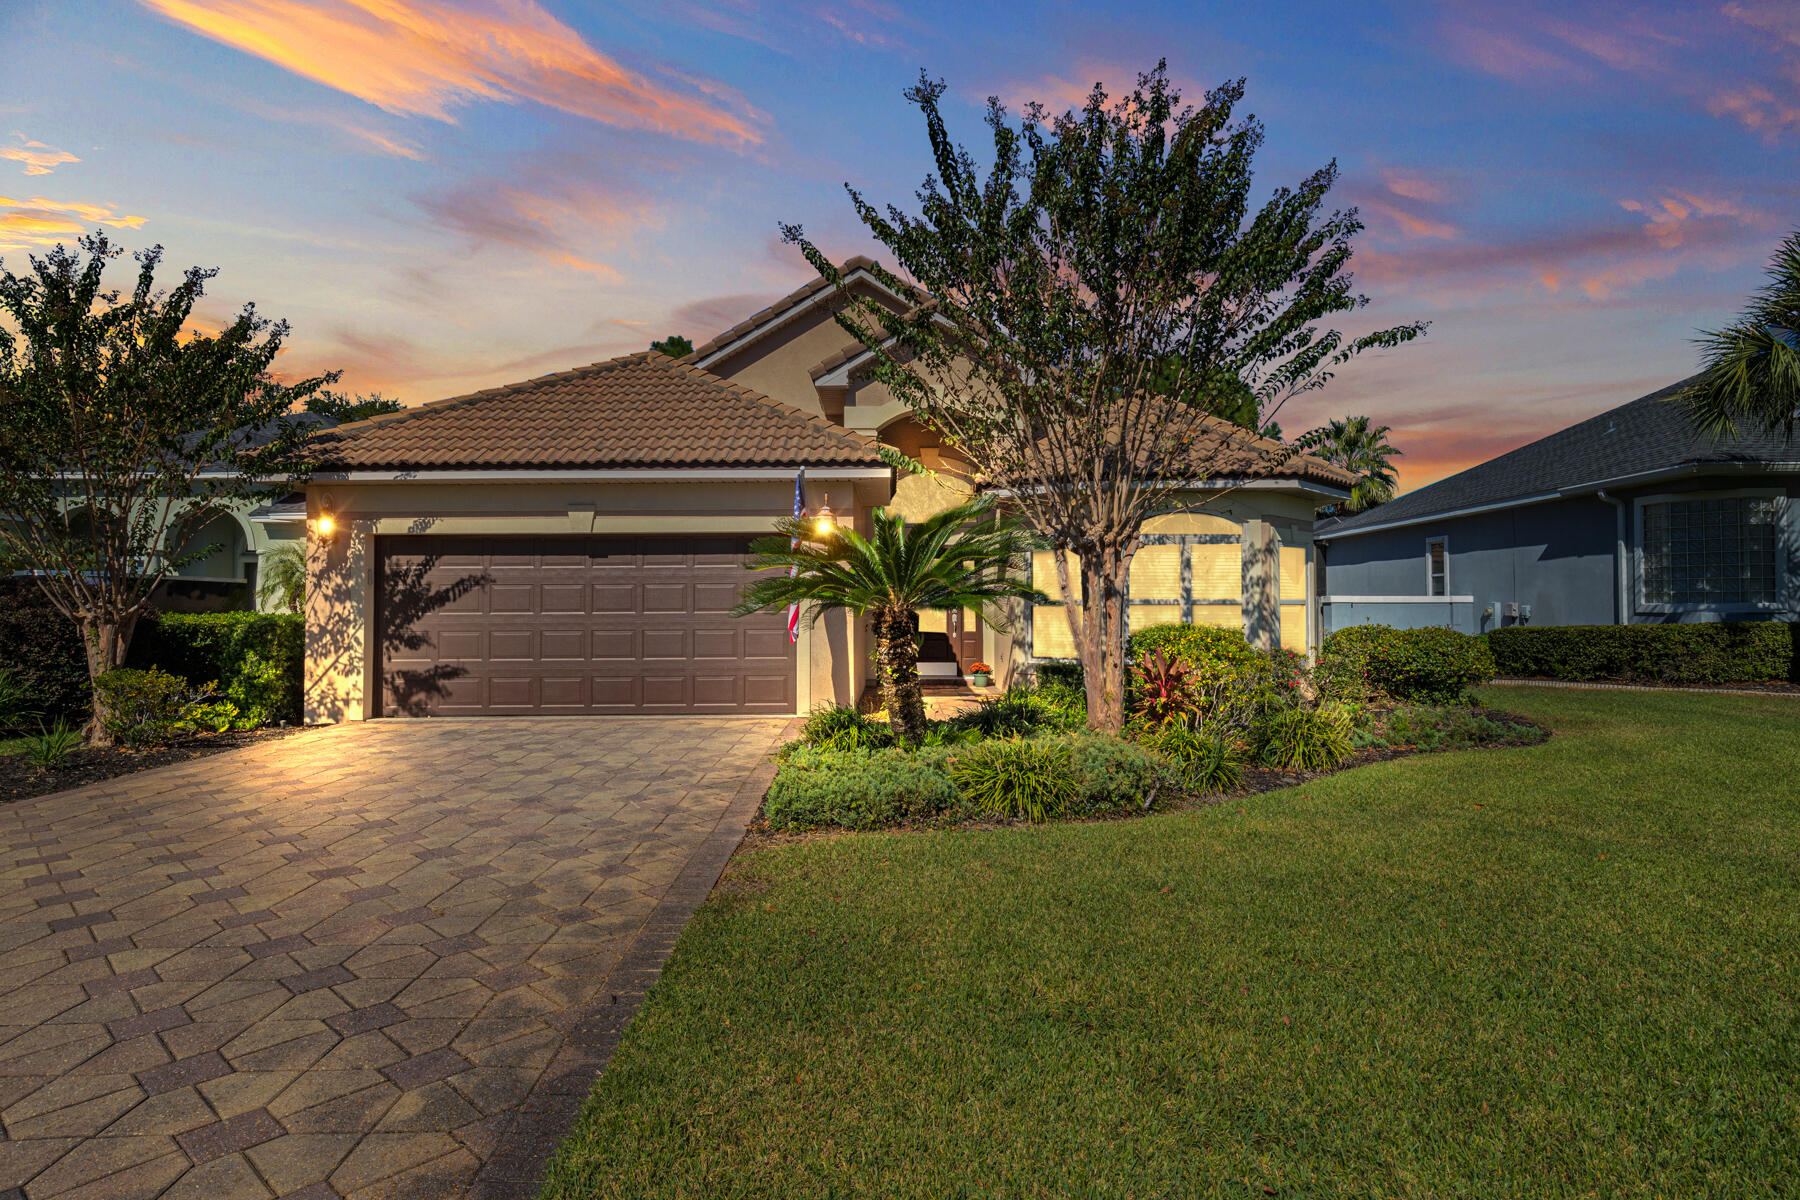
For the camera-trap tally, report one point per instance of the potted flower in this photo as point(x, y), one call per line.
point(981, 674)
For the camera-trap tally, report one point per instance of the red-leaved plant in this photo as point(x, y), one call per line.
point(1164, 691)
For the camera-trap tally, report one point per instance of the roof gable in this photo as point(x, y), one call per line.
point(640, 410)
point(789, 308)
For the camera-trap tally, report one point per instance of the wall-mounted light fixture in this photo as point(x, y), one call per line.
point(325, 524)
point(825, 523)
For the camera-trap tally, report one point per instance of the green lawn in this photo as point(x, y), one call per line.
point(1566, 970)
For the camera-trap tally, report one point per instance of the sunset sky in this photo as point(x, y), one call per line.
point(442, 195)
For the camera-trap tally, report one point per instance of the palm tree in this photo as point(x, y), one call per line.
point(1363, 450)
point(1752, 367)
point(284, 578)
point(963, 558)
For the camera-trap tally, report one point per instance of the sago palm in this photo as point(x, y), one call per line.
point(1363, 450)
point(1751, 374)
point(964, 558)
point(284, 578)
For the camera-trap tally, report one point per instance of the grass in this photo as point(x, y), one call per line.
point(1571, 969)
point(13, 745)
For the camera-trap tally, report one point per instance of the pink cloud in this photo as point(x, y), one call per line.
point(561, 221)
point(429, 57)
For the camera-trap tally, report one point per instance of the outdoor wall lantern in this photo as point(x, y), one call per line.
point(325, 524)
point(825, 523)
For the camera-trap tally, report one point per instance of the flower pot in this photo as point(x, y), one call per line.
point(981, 679)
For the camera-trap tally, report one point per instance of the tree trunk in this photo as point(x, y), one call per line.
point(106, 643)
point(1100, 642)
point(899, 670)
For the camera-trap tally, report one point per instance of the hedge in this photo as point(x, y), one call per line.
point(256, 658)
point(1369, 662)
point(44, 648)
point(1709, 653)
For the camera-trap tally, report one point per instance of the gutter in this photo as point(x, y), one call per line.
point(1635, 479)
point(1203, 485)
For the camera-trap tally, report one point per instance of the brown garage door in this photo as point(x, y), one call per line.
point(510, 626)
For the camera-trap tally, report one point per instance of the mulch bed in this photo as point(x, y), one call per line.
point(19, 780)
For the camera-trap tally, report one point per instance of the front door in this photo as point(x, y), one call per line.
point(963, 630)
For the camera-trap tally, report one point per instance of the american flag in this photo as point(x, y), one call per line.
point(799, 515)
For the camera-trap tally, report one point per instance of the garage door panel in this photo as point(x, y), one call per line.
point(615, 598)
point(579, 624)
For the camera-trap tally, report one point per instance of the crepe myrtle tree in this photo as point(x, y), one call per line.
point(1081, 311)
point(1751, 368)
point(965, 557)
point(123, 432)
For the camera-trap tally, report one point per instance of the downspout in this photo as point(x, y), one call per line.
point(1621, 584)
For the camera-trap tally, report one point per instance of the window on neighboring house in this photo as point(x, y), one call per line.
point(1714, 551)
point(1437, 567)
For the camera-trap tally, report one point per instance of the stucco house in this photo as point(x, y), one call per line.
point(573, 543)
point(1627, 517)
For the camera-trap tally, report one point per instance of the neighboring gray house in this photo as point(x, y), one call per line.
point(1628, 517)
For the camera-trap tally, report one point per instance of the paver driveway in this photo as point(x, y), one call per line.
point(379, 960)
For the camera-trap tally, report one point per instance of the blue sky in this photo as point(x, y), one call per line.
point(442, 195)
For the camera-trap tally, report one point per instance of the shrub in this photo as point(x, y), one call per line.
point(1016, 712)
point(15, 699)
point(1710, 653)
point(1163, 691)
point(148, 708)
point(44, 650)
point(48, 748)
point(1116, 776)
point(1206, 763)
point(1369, 662)
point(1065, 674)
point(841, 727)
point(258, 658)
point(861, 789)
point(1303, 739)
point(1024, 779)
point(1067, 700)
point(1207, 650)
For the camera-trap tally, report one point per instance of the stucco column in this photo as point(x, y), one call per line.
point(340, 608)
point(1262, 594)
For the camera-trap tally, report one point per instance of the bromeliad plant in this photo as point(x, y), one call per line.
point(964, 558)
point(1165, 691)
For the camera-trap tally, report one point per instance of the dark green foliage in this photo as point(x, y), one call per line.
point(1207, 763)
point(861, 789)
point(16, 703)
point(1233, 683)
point(1362, 449)
point(1711, 653)
point(1453, 727)
point(347, 408)
point(49, 747)
point(43, 648)
point(149, 708)
point(1208, 649)
point(1114, 776)
point(1751, 376)
point(1018, 712)
point(1018, 779)
point(1063, 674)
point(841, 727)
point(675, 346)
point(258, 659)
point(1069, 700)
point(1367, 662)
point(1303, 739)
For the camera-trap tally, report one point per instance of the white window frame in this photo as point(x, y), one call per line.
point(1444, 541)
point(1784, 551)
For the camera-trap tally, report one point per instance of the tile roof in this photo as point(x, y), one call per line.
point(837, 359)
point(761, 317)
point(1647, 435)
point(641, 410)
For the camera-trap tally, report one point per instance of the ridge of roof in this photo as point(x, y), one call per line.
point(764, 315)
point(849, 444)
point(1648, 434)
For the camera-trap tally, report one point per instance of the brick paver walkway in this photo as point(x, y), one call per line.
point(380, 960)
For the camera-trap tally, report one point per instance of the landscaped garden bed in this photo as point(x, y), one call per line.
point(20, 780)
point(1210, 718)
